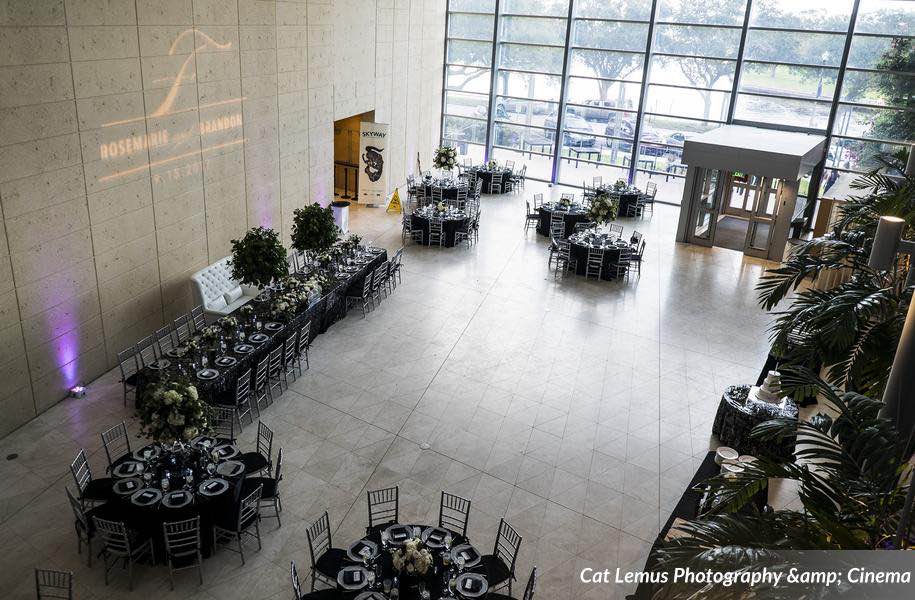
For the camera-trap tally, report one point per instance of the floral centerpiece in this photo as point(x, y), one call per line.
point(172, 411)
point(314, 229)
point(440, 207)
point(445, 158)
point(229, 323)
point(413, 558)
point(211, 334)
point(603, 208)
point(620, 185)
point(351, 243)
point(246, 311)
point(492, 165)
point(285, 305)
point(259, 258)
point(565, 202)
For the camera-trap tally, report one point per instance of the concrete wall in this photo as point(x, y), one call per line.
point(138, 137)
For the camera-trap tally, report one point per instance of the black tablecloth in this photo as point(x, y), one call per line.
point(435, 581)
point(570, 218)
point(579, 253)
point(449, 228)
point(148, 521)
point(448, 192)
point(485, 175)
point(627, 200)
point(688, 509)
point(322, 313)
point(736, 418)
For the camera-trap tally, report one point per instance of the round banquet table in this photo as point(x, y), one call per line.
point(450, 226)
point(221, 509)
point(579, 252)
point(575, 214)
point(485, 175)
point(449, 188)
point(434, 581)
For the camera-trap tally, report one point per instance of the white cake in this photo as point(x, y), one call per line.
point(767, 392)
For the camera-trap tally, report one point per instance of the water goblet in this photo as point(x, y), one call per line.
point(164, 484)
point(147, 477)
point(258, 325)
point(211, 468)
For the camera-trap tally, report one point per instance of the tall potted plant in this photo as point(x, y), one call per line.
point(852, 328)
point(259, 258)
point(314, 229)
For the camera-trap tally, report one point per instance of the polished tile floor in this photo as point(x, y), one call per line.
point(577, 410)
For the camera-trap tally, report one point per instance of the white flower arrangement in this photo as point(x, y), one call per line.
point(604, 208)
point(171, 411)
point(413, 558)
point(492, 165)
point(286, 305)
point(440, 207)
point(620, 184)
point(211, 333)
point(228, 323)
point(445, 158)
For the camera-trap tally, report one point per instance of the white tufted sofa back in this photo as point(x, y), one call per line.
point(214, 281)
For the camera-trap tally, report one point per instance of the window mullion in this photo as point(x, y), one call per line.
point(563, 84)
point(643, 93)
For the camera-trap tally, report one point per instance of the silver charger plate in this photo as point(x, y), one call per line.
point(374, 249)
point(154, 451)
point(370, 595)
point(226, 361)
point(158, 365)
point(213, 487)
point(127, 487)
point(273, 326)
point(398, 534)
point(356, 550)
point(230, 468)
point(207, 374)
point(434, 537)
point(146, 497)
point(227, 451)
point(258, 338)
point(353, 577)
point(468, 552)
point(204, 441)
point(177, 499)
point(174, 353)
point(471, 585)
point(243, 349)
point(128, 468)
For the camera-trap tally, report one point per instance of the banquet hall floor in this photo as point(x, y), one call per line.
point(577, 410)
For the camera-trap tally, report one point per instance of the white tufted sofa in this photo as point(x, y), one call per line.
point(219, 294)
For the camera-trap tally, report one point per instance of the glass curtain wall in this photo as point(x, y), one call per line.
point(844, 68)
point(876, 107)
point(468, 76)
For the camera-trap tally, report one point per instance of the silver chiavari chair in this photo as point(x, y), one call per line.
point(182, 547)
point(198, 319)
point(248, 518)
point(436, 234)
point(595, 264)
point(127, 363)
point(495, 186)
point(122, 546)
point(53, 584)
point(117, 443)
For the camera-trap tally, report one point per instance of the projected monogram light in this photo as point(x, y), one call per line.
point(163, 137)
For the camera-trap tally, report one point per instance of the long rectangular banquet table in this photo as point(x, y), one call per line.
point(323, 312)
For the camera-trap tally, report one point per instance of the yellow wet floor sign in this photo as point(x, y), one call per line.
point(394, 205)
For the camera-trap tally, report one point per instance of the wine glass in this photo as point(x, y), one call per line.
point(211, 468)
point(164, 483)
point(204, 361)
point(147, 477)
point(188, 477)
point(258, 325)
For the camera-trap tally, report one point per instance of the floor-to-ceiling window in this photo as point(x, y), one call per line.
point(876, 108)
point(468, 75)
point(614, 92)
point(606, 62)
point(530, 56)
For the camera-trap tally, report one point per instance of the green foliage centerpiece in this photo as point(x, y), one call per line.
point(314, 229)
point(259, 258)
point(445, 158)
point(172, 411)
point(604, 208)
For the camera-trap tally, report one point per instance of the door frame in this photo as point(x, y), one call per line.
point(760, 215)
point(697, 208)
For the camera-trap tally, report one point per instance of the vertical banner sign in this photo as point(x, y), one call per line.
point(373, 158)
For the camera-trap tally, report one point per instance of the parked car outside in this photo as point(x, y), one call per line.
point(580, 130)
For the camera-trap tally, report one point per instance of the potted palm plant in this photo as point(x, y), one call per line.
point(851, 328)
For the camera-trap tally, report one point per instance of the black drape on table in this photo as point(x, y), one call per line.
point(570, 218)
point(449, 229)
point(580, 254)
point(323, 313)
